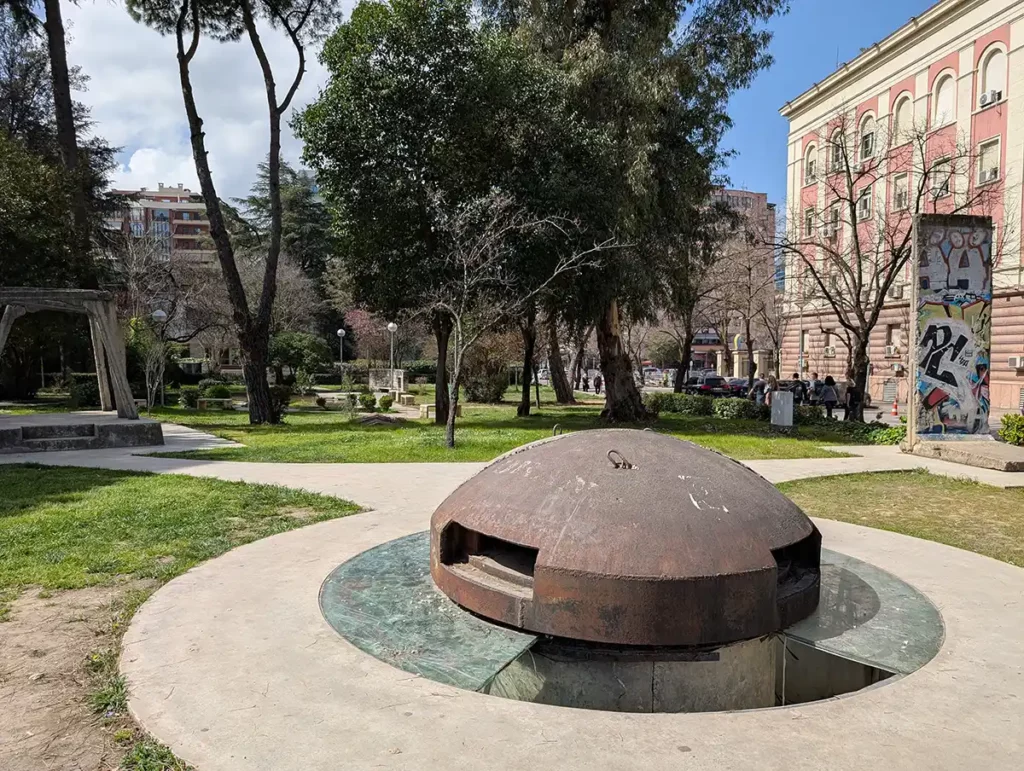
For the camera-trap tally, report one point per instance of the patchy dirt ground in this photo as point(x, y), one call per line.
point(45, 719)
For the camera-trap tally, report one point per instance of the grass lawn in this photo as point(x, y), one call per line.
point(482, 434)
point(968, 515)
point(65, 528)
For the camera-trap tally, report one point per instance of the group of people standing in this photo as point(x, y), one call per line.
point(815, 392)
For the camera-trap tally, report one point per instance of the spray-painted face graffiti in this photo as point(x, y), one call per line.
point(954, 329)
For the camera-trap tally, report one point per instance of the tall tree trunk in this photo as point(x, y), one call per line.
point(860, 375)
point(750, 353)
point(254, 370)
point(559, 381)
point(67, 139)
point(442, 326)
point(685, 352)
point(453, 406)
point(528, 327)
point(622, 402)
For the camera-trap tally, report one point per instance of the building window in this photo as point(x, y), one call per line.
point(805, 337)
point(988, 161)
point(811, 165)
point(160, 214)
point(993, 77)
point(829, 342)
point(901, 192)
point(867, 138)
point(945, 101)
point(832, 225)
point(864, 203)
point(941, 179)
point(835, 152)
point(903, 123)
point(809, 222)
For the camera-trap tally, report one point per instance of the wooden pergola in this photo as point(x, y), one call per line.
point(107, 342)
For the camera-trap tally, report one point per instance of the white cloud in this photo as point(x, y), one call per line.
point(136, 101)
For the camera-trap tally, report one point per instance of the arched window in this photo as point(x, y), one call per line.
point(903, 122)
point(811, 165)
point(835, 151)
point(866, 146)
point(993, 75)
point(944, 100)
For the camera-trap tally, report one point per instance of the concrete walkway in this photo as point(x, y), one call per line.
point(391, 486)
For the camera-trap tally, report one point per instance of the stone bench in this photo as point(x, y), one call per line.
point(428, 410)
point(141, 403)
point(224, 404)
point(407, 400)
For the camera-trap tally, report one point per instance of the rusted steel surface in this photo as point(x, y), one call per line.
point(626, 537)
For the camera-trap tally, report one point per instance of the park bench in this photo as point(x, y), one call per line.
point(428, 410)
point(407, 400)
point(224, 404)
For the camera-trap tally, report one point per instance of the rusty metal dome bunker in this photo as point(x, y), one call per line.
point(626, 537)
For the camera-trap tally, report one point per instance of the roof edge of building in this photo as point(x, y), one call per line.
point(939, 13)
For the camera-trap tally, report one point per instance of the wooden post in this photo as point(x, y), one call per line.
point(11, 314)
point(113, 344)
point(99, 354)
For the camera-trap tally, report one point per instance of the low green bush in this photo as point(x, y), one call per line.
point(209, 382)
point(486, 388)
point(217, 391)
point(280, 398)
point(368, 401)
point(734, 408)
point(1012, 430)
point(882, 434)
point(385, 402)
point(84, 391)
point(188, 397)
point(679, 404)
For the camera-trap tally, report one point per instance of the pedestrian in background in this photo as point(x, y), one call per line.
point(799, 390)
point(597, 384)
point(814, 389)
point(829, 395)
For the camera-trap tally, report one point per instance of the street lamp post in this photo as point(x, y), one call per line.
point(341, 347)
point(392, 328)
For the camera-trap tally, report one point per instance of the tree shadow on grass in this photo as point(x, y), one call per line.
point(27, 486)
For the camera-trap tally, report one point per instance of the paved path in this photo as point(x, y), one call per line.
point(390, 486)
point(233, 666)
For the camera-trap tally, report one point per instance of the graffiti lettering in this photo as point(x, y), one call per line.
point(937, 341)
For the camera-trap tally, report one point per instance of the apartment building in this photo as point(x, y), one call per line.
point(936, 110)
point(173, 216)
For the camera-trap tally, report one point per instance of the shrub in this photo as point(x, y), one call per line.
point(84, 391)
point(808, 414)
point(1012, 430)
point(207, 383)
point(188, 397)
point(303, 382)
point(679, 404)
point(733, 408)
point(280, 398)
point(882, 434)
point(321, 402)
point(385, 402)
point(368, 401)
point(218, 391)
point(486, 388)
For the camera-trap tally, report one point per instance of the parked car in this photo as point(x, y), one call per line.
point(737, 386)
point(707, 384)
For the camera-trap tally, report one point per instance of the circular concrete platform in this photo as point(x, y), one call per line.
point(233, 666)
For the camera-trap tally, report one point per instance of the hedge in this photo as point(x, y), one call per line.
point(735, 407)
point(679, 404)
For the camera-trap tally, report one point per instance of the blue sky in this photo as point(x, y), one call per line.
point(809, 42)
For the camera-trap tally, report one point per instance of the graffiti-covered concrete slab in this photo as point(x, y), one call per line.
point(954, 326)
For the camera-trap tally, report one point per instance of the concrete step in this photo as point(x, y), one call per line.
point(60, 431)
point(58, 443)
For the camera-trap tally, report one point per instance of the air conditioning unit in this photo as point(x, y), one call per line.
point(989, 175)
point(896, 291)
point(829, 230)
point(830, 351)
point(990, 98)
point(898, 367)
point(864, 207)
point(1016, 362)
point(892, 351)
